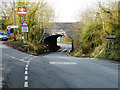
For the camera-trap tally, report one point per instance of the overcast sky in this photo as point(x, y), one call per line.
point(67, 10)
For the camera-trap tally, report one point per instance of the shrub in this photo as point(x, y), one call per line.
point(41, 49)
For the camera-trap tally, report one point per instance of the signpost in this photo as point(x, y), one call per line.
point(8, 32)
point(24, 26)
point(12, 26)
point(110, 38)
point(8, 27)
point(21, 11)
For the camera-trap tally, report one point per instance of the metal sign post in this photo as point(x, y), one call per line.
point(22, 37)
point(25, 28)
point(108, 44)
point(11, 26)
point(22, 12)
point(22, 33)
point(14, 20)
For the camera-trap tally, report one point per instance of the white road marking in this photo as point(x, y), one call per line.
point(26, 84)
point(26, 77)
point(25, 57)
point(26, 68)
point(64, 50)
point(26, 72)
point(62, 62)
point(28, 63)
point(1, 79)
point(16, 58)
point(12, 57)
point(32, 58)
point(3, 46)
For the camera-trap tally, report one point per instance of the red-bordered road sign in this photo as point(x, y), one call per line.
point(24, 24)
point(21, 11)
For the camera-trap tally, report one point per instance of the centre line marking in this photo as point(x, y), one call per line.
point(28, 63)
point(26, 69)
point(26, 84)
point(26, 72)
point(26, 66)
point(26, 77)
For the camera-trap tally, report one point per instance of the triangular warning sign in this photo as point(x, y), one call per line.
point(24, 24)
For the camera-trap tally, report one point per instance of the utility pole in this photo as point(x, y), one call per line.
point(14, 19)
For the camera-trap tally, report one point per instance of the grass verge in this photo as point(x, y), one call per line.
point(25, 47)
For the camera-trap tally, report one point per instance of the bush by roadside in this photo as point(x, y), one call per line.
point(102, 52)
point(24, 47)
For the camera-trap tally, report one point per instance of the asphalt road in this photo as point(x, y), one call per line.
point(64, 47)
point(56, 70)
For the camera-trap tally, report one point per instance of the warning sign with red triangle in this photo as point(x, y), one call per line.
point(24, 24)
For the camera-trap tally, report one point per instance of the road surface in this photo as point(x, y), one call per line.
point(64, 47)
point(56, 70)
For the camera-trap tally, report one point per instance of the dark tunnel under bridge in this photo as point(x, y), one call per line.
point(51, 42)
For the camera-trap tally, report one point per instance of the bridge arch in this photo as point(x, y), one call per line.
point(51, 42)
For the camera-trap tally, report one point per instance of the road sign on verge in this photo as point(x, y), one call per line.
point(8, 27)
point(24, 26)
point(8, 32)
point(21, 11)
point(24, 29)
point(12, 26)
point(110, 37)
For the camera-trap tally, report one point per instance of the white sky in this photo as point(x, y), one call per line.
point(67, 10)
